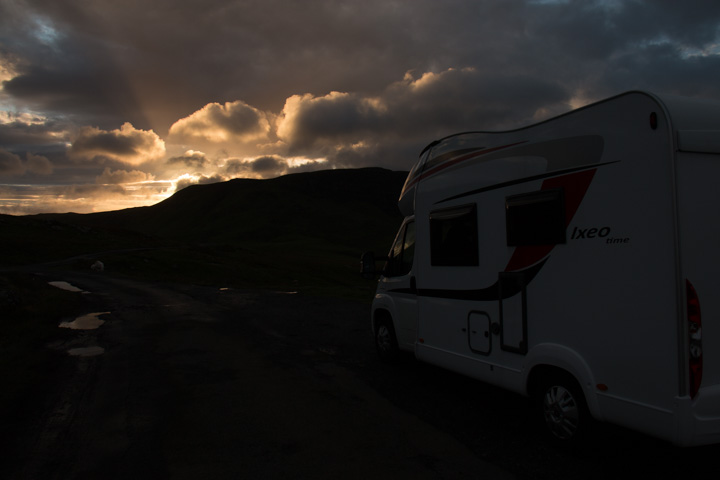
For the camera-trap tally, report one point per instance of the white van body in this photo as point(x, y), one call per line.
point(585, 244)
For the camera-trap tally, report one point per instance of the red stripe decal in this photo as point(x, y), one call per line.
point(457, 160)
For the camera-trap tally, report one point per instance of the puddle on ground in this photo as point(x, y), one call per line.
point(66, 286)
point(86, 322)
point(86, 351)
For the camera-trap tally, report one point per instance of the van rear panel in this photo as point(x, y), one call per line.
point(698, 198)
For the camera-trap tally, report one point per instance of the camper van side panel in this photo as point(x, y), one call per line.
point(618, 303)
point(602, 295)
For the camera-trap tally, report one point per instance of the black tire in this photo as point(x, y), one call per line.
point(561, 409)
point(386, 341)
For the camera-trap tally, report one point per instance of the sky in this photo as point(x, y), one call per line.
point(110, 104)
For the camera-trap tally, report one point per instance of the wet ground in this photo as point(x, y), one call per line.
point(183, 381)
point(199, 382)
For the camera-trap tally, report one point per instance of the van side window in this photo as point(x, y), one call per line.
point(401, 255)
point(535, 218)
point(454, 237)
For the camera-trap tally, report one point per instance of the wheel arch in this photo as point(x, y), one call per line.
point(380, 314)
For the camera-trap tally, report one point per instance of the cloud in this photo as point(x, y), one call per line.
point(122, 176)
point(81, 198)
point(261, 167)
point(89, 191)
point(268, 164)
point(55, 60)
point(121, 61)
point(469, 98)
point(349, 129)
point(191, 158)
point(336, 116)
point(38, 164)
point(12, 164)
point(126, 145)
point(601, 48)
point(188, 180)
point(29, 131)
point(216, 123)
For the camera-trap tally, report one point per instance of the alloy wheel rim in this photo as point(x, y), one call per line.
point(383, 338)
point(561, 412)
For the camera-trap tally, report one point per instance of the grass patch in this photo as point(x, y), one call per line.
point(318, 270)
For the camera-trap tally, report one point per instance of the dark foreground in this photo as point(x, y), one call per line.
point(200, 382)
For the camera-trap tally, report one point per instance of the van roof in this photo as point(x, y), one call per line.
point(696, 121)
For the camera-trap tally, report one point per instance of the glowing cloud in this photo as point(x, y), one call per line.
point(126, 145)
point(336, 116)
point(7, 71)
point(216, 123)
point(187, 180)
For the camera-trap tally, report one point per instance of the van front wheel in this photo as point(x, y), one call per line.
point(386, 341)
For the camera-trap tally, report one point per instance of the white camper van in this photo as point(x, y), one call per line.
point(575, 261)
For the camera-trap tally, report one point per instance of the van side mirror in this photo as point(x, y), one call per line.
point(367, 265)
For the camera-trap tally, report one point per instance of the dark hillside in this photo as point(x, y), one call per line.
point(293, 231)
point(340, 206)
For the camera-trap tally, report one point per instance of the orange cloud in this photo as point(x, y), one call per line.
point(216, 123)
point(335, 117)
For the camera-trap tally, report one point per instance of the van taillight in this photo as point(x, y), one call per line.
point(694, 338)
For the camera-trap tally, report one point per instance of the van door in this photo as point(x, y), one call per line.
point(453, 324)
point(399, 282)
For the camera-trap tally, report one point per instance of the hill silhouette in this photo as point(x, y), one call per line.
point(300, 230)
point(340, 206)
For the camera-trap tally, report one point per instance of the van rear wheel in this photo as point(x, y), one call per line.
point(386, 341)
point(561, 406)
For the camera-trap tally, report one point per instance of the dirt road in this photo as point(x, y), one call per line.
point(199, 382)
point(184, 381)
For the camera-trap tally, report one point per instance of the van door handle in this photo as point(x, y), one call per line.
point(413, 284)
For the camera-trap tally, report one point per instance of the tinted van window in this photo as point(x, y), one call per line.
point(454, 237)
point(535, 218)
